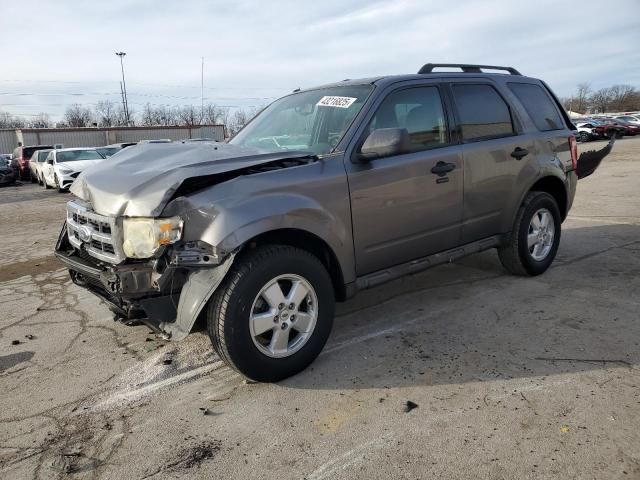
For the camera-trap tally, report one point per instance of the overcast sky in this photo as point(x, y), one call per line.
point(54, 53)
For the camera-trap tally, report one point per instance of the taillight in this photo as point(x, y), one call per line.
point(573, 146)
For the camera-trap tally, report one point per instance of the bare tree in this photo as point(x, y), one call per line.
point(106, 113)
point(189, 116)
point(78, 116)
point(581, 100)
point(214, 115)
point(149, 116)
point(600, 100)
point(239, 119)
point(623, 97)
point(10, 121)
point(41, 121)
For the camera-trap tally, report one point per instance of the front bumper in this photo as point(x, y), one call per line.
point(66, 179)
point(140, 290)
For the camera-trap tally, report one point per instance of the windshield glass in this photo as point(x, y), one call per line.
point(107, 152)
point(74, 155)
point(312, 121)
point(41, 155)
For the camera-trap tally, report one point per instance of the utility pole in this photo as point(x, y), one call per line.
point(125, 101)
point(202, 92)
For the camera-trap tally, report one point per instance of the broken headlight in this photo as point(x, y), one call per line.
point(144, 236)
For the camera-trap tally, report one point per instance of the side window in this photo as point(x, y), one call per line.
point(420, 111)
point(483, 113)
point(538, 105)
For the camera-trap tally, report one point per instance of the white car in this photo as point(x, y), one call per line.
point(635, 119)
point(586, 131)
point(35, 164)
point(61, 167)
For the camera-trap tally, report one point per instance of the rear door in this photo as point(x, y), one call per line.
point(496, 152)
point(401, 210)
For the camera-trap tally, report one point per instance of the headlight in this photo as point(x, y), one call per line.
point(143, 236)
point(65, 169)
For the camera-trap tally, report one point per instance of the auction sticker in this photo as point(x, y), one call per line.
point(340, 102)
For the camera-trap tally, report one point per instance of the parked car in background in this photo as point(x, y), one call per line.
point(23, 154)
point(8, 170)
point(601, 129)
point(62, 167)
point(35, 164)
point(585, 131)
point(631, 129)
point(629, 118)
point(109, 150)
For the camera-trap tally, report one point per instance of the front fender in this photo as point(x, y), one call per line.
point(227, 226)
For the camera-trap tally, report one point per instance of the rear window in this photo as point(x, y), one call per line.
point(75, 155)
point(27, 152)
point(538, 105)
point(483, 113)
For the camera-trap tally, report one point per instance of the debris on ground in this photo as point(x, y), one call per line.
point(190, 457)
point(206, 411)
point(15, 342)
point(30, 337)
point(409, 405)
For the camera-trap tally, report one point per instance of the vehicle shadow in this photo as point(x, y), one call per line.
point(472, 322)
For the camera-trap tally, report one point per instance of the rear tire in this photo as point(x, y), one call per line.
point(245, 295)
point(519, 254)
point(584, 137)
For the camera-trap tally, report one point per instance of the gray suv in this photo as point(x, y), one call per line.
point(326, 192)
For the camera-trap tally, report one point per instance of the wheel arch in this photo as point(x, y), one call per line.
point(309, 242)
point(555, 187)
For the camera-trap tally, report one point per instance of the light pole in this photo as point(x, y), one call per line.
point(125, 102)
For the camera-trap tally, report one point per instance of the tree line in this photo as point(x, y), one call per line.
point(617, 98)
point(111, 114)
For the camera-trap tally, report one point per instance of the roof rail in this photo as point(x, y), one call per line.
point(466, 68)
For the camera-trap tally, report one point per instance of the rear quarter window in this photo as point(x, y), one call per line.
point(483, 112)
point(538, 105)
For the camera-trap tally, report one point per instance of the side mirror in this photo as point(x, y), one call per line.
point(50, 161)
point(384, 142)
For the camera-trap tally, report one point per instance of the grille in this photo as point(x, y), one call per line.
point(95, 234)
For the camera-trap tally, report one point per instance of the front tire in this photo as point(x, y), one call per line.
point(249, 317)
point(531, 246)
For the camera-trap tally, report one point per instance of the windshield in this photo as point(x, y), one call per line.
point(41, 155)
point(74, 155)
point(107, 152)
point(312, 121)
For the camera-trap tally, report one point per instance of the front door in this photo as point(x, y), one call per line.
point(407, 206)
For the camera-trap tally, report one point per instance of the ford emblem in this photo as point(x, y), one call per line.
point(84, 233)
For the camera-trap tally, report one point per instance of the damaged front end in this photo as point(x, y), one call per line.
point(167, 291)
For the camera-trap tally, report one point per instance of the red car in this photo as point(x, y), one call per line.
point(603, 130)
point(624, 128)
point(22, 155)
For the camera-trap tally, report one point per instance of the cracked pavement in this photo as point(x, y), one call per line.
point(512, 377)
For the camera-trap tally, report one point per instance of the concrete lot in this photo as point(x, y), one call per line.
point(512, 377)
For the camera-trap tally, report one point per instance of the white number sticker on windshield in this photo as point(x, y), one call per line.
point(340, 102)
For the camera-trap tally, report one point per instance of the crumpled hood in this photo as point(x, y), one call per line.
point(139, 181)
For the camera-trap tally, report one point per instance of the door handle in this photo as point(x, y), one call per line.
point(442, 168)
point(519, 153)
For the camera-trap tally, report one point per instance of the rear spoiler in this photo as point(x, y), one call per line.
point(589, 161)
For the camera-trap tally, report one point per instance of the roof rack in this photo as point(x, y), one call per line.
point(466, 68)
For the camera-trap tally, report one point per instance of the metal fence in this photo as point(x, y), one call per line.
point(97, 137)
